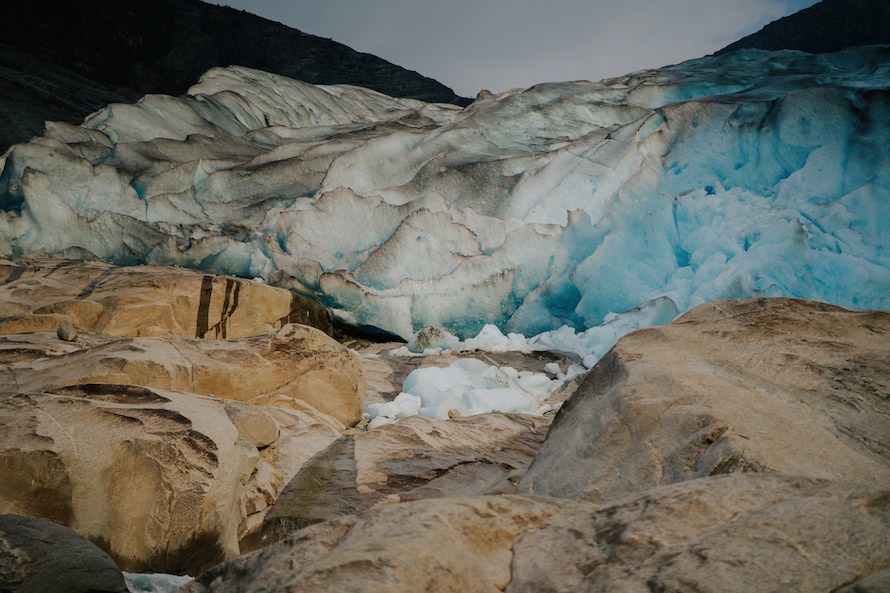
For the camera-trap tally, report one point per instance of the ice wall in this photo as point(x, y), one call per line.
point(750, 174)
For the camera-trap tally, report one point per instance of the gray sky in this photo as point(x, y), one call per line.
point(469, 45)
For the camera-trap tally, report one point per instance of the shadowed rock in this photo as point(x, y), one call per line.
point(64, 61)
point(39, 556)
point(412, 459)
point(827, 26)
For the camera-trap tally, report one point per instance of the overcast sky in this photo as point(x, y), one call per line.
point(497, 45)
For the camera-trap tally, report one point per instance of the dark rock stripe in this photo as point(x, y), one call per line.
point(203, 321)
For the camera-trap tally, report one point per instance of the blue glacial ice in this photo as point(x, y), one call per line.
point(578, 210)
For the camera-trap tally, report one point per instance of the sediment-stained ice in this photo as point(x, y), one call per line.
point(579, 209)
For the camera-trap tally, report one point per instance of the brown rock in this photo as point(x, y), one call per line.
point(769, 385)
point(164, 481)
point(412, 459)
point(145, 301)
point(741, 533)
point(299, 367)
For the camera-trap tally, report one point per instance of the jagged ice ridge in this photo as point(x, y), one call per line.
point(580, 209)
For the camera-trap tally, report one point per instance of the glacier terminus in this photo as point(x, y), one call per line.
point(575, 210)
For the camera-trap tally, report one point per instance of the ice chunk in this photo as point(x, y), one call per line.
point(154, 582)
point(466, 387)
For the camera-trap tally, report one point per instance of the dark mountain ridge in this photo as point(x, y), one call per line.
point(829, 26)
point(64, 60)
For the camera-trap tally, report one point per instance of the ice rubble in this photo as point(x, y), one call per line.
point(577, 209)
point(154, 583)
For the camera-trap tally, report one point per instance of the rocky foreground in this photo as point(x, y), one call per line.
point(177, 420)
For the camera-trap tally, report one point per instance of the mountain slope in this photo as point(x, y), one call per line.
point(828, 26)
point(62, 61)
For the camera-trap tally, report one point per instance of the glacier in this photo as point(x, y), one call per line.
point(575, 211)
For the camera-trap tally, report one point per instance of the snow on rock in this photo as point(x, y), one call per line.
point(579, 209)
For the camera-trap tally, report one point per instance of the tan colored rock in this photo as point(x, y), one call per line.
point(768, 385)
point(145, 301)
point(163, 481)
point(298, 367)
point(758, 533)
point(412, 459)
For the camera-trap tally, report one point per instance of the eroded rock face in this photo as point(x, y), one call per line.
point(163, 449)
point(738, 533)
point(412, 459)
point(298, 367)
point(164, 481)
point(145, 301)
point(769, 385)
point(40, 556)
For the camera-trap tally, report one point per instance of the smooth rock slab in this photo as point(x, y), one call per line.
point(145, 301)
point(164, 481)
point(766, 385)
point(39, 556)
point(298, 367)
point(727, 534)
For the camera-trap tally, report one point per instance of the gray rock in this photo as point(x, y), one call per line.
point(67, 333)
point(39, 556)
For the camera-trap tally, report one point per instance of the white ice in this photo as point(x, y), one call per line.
point(466, 387)
point(154, 582)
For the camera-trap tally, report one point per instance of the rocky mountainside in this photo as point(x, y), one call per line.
point(829, 26)
point(62, 61)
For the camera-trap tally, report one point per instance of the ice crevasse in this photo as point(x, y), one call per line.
point(579, 209)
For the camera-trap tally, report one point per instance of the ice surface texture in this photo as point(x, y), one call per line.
point(749, 174)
